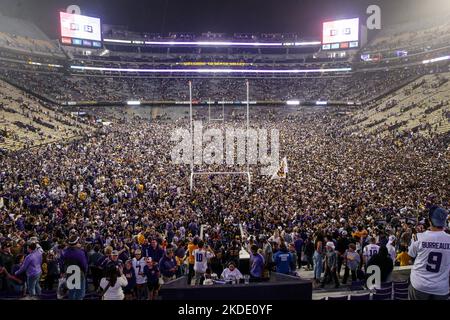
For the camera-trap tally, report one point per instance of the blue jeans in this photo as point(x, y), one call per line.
point(317, 258)
point(181, 271)
point(78, 294)
point(34, 289)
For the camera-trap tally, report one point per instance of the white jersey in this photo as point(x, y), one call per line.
point(370, 250)
point(430, 273)
point(392, 252)
point(201, 257)
point(138, 266)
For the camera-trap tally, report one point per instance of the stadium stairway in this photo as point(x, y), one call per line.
point(28, 122)
point(405, 116)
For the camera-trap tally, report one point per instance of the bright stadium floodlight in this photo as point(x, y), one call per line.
point(310, 43)
point(436, 59)
point(321, 103)
point(133, 103)
point(293, 102)
point(117, 41)
point(211, 70)
point(215, 43)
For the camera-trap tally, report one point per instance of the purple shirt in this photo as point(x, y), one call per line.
point(75, 256)
point(256, 265)
point(31, 264)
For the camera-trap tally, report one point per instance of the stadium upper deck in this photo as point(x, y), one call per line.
point(41, 62)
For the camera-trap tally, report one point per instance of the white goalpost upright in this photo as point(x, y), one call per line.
point(231, 173)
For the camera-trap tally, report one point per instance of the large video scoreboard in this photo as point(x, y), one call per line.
point(340, 34)
point(78, 30)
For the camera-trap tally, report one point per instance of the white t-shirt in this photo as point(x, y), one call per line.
point(227, 274)
point(370, 250)
point(114, 292)
point(201, 257)
point(430, 273)
point(138, 266)
point(392, 252)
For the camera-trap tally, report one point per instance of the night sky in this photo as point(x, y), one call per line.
point(304, 17)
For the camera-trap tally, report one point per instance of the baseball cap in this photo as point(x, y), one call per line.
point(33, 240)
point(115, 253)
point(438, 216)
point(330, 244)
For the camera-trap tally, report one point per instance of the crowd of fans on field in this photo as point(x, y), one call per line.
point(115, 205)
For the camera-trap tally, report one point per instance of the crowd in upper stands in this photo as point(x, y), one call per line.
point(357, 87)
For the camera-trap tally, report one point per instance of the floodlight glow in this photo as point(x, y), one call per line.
point(293, 102)
point(117, 41)
point(216, 43)
point(133, 103)
point(436, 59)
point(310, 43)
point(48, 65)
point(211, 70)
point(321, 103)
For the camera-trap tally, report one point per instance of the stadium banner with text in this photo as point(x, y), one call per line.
point(214, 63)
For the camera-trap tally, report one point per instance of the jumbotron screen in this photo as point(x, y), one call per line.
point(78, 30)
point(340, 34)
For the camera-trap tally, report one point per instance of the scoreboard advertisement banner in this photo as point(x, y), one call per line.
point(340, 34)
point(78, 30)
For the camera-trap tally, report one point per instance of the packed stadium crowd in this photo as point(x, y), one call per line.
point(115, 204)
point(355, 87)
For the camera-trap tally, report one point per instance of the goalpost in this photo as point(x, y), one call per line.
point(230, 173)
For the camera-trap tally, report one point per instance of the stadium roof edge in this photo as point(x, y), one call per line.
point(214, 43)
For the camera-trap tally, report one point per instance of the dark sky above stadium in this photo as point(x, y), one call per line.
point(299, 16)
